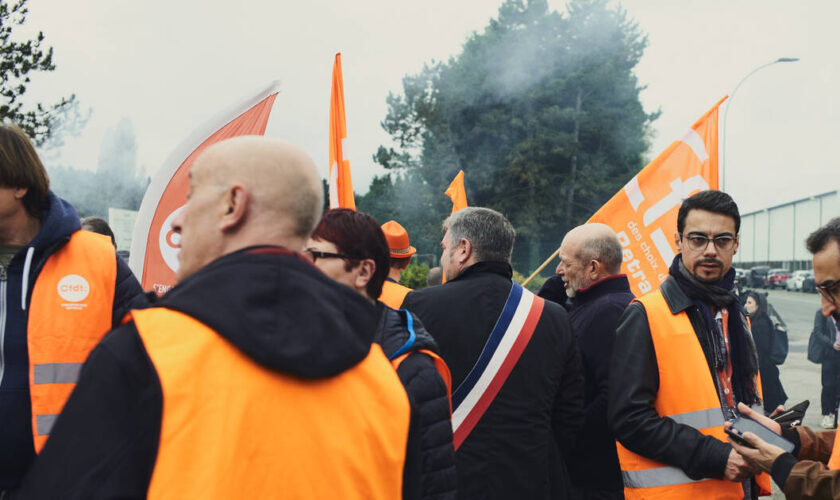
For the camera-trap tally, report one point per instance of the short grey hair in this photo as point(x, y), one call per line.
point(605, 248)
point(489, 232)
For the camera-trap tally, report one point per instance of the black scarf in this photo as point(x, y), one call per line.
point(742, 348)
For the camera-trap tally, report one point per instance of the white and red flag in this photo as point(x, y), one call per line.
point(154, 246)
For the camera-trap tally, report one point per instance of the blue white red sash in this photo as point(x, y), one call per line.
point(501, 352)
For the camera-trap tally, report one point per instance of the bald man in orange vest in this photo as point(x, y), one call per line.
point(255, 377)
point(393, 293)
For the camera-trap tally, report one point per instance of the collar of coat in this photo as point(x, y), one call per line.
point(490, 266)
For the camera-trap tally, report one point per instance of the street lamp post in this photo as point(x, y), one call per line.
point(729, 105)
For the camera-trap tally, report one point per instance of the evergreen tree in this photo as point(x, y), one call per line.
point(541, 110)
point(18, 59)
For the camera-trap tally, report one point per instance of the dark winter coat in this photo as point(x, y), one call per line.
point(511, 452)
point(554, 290)
point(274, 306)
point(593, 463)
point(58, 222)
point(764, 335)
point(429, 403)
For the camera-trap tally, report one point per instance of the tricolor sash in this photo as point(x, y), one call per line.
point(507, 341)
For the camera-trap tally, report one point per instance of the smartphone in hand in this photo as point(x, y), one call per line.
point(743, 425)
point(793, 414)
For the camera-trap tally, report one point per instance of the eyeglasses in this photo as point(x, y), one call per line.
point(830, 291)
point(314, 255)
point(699, 242)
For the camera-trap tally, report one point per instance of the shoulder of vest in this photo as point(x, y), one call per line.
point(94, 240)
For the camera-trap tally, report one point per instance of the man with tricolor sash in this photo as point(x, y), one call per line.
point(812, 470)
point(684, 358)
point(516, 371)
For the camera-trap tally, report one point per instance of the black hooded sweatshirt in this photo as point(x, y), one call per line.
point(273, 305)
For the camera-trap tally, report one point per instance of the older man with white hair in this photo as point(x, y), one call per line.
point(590, 267)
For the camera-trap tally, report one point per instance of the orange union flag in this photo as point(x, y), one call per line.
point(457, 193)
point(644, 213)
point(341, 185)
point(154, 246)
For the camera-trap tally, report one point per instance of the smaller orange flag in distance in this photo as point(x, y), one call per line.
point(341, 185)
point(457, 193)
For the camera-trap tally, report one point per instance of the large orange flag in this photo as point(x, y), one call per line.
point(644, 213)
point(154, 245)
point(457, 193)
point(341, 185)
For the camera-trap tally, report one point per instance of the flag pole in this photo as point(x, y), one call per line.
point(534, 275)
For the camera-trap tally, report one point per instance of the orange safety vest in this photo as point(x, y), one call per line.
point(688, 396)
point(834, 459)
point(231, 427)
point(69, 313)
point(393, 294)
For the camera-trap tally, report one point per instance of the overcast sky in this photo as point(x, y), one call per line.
point(170, 65)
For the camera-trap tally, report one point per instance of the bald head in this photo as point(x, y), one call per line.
point(285, 194)
point(588, 253)
point(596, 241)
point(247, 191)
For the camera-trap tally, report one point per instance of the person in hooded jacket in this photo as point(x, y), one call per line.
point(764, 334)
point(350, 247)
point(256, 376)
point(61, 289)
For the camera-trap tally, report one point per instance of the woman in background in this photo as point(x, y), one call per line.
point(765, 335)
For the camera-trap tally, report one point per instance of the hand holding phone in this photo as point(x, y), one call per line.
point(795, 413)
point(742, 425)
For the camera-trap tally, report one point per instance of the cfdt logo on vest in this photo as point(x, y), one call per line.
point(74, 289)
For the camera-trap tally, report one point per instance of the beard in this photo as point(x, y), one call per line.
point(708, 262)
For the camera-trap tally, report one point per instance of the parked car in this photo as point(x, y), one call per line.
point(794, 283)
point(776, 278)
point(756, 276)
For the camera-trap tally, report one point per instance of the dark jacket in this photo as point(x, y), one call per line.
point(511, 451)
point(634, 383)
point(274, 306)
point(429, 402)
point(764, 334)
point(808, 477)
point(554, 290)
point(593, 463)
point(58, 222)
point(824, 334)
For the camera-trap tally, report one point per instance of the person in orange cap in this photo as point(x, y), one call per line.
point(401, 252)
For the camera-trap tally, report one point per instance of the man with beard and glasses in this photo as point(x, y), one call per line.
point(683, 359)
point(803, 473)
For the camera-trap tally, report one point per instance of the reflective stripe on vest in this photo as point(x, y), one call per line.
point(687, 395)
point(70, 311)
point(232, 428)
point(393, 294)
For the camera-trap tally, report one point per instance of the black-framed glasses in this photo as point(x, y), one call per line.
point(314, 255)
point(830, 291)
point(698, 242)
